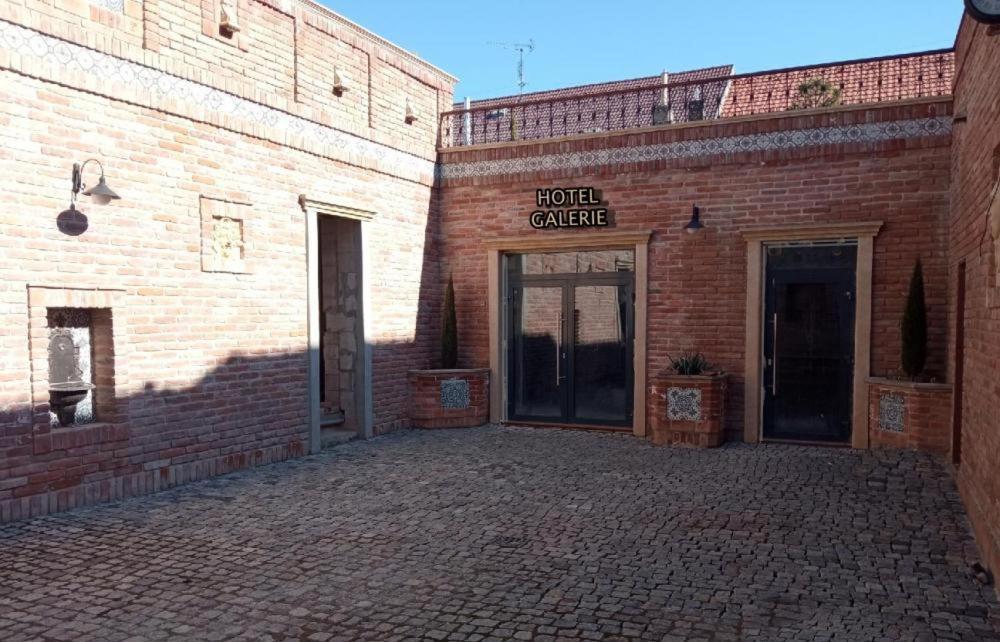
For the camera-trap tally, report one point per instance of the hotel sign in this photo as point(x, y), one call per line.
point(568, 207)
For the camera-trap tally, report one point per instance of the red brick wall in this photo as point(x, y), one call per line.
point(697, 284)
point(974, 175)
point(215, 360)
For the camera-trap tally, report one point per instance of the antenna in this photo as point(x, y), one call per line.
point(520, 48)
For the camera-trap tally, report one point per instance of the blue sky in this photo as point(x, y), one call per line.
point(588, 41)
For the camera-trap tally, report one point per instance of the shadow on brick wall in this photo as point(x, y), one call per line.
point(247, 410)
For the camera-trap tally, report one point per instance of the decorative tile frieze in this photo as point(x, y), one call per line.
point(891, 412)
point(118, 6)
point(167, 87)
point(780, 140)
point(684, 404)
point(455, 393)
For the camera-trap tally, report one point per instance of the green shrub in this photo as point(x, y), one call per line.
point(816, 92)
point(913, 328)
point(449, 329)
point(690, 364)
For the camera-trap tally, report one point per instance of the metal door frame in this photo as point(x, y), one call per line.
point(568, 283)
point(848, 276)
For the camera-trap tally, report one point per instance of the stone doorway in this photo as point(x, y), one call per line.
point(339, 354)
point(340, 330)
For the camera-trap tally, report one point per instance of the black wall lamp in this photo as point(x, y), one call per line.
point(100, 193)
point(694, 225)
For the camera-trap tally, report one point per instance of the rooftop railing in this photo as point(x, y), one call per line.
point(854, 82)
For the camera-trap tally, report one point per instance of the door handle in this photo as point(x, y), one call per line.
point(774, 355)
point(559, 333)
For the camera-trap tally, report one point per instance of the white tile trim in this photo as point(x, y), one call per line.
point(779, 140)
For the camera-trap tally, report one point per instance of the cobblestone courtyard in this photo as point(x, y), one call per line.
point(520, 534)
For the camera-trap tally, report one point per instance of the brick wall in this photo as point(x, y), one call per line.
point(697, 284)
point(209, 354)
point(974, 177)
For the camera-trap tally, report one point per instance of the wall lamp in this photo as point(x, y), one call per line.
point(694, 225)
point(100, 193)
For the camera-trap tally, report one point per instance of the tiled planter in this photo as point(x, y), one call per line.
point(905, 414)
point(688, 410)
point(449, 398)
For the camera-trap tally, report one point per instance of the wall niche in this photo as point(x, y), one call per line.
point(71, 366)
point(78, 379)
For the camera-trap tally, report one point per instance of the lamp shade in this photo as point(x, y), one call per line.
point(101, 193)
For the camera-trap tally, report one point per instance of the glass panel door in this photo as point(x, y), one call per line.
point(602, 354)
point(537, 357)
point(809, 342)
point(570, 337)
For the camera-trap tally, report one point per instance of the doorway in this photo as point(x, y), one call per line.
point(340, 333)
point(571, 331)
point(339, 353)
point(808, 342)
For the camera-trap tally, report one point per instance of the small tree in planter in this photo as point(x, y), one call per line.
point(913, 328)
point(905, 411)
point(449, 397)
point(689, 403)
point(449, 329)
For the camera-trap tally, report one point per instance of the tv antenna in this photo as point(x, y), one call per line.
point(520, 48)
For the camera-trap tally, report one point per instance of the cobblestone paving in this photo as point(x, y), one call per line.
point(520, 534)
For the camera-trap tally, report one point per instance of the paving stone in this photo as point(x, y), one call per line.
point(514, 533)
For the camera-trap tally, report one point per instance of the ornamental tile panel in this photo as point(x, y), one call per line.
point(684, 404)
point(891, 412)
point(455, 394)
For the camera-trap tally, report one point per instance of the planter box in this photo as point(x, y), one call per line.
point(449, 398)
point(905, 414)
point(688, 410)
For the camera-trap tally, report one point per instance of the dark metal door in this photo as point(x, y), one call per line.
point(570, 349)
point(809, 342)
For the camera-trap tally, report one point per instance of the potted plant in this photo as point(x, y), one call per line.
point(911, 410)
point(816, 92)
point(689, 403)
point(449, 396)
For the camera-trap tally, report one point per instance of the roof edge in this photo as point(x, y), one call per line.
point(377, 39)
point(595, 84)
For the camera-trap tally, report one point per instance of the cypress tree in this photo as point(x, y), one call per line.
point(913, 328)
point(449, 328)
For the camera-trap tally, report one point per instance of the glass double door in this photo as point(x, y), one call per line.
point(570, 340)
